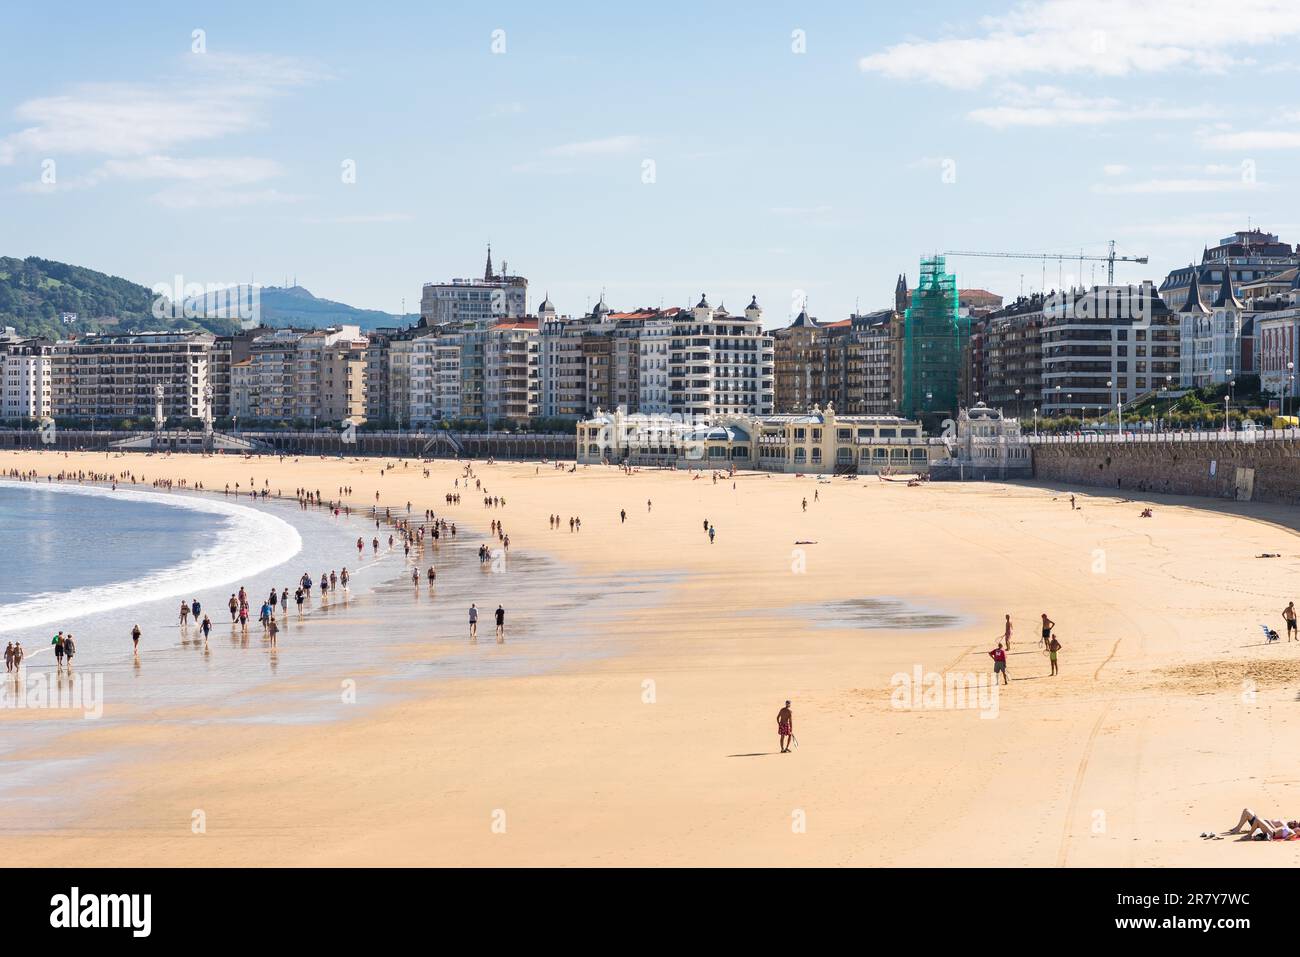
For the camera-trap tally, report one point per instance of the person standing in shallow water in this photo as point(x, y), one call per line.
point(785, 728)
point(135, 639)
point(473, 622)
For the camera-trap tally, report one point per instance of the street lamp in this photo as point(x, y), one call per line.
point(1018, 412)
point(1035, 421)
point(1288, 387)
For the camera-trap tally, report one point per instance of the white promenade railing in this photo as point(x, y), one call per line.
point(1245, 436)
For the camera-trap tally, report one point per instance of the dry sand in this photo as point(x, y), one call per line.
point(1168, 716)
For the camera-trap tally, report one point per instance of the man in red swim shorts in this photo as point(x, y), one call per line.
point(785, 727)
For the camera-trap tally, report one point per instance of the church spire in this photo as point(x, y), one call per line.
point(487, 273)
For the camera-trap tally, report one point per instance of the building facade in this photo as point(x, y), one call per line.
point(1105, 347)
point(819, 441)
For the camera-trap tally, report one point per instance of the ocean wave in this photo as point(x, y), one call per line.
point(247, 541)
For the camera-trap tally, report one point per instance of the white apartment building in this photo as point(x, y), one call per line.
point(25, 377)
point(561, 363)
point(114, 377)
point(495, 296)
point(1209, 336)
point(719, 364)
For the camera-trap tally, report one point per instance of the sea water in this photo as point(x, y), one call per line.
point(96, 561)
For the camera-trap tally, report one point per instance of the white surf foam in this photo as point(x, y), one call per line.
point(247, 541)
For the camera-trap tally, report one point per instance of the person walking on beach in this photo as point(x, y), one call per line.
point(501, 623)
point(804, 503)
point(195, 608)
point(473, 622)
point(785, 728)
point(185, 614)
point(298, 597)
point(1048, 625)
point(272, 629)
point(1072, 503)
point(234, 608)
point(206, 627)
point(9, 656)
point(1053, 646)
point(999, 657)
point(69, 649)
point(622, 516)
point(1288, 615)
point(135, 640)
point(57, 642)
point(1006, 632)
point(712, 532)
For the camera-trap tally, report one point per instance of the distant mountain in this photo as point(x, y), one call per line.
point(40, 297)
point(296, 306)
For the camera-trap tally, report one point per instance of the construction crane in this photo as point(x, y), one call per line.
point(1110, 260)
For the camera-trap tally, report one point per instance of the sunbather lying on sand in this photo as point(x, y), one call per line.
point(1271, 830)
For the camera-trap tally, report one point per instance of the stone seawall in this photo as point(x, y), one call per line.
point(1264, 471)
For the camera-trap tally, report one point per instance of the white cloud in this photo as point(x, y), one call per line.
point(136, 125)
point(209, 198)
point(1093, 37)
point(1114, 169)
point(609, 146)
point(360, 219)
point(1254, 140)
point(1043, 106)
point(212, 96)
point(1195, 185)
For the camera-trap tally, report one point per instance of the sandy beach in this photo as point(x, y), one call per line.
point(1169, 715)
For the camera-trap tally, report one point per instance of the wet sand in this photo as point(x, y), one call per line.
point(659, 747)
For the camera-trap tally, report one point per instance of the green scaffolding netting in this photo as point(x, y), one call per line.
point(934, 332)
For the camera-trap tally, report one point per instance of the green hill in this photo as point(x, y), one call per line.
point(295, 306)
point(37, 294)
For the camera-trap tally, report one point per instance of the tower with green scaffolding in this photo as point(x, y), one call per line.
point(934, 333)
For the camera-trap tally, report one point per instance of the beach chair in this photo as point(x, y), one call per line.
point(1269, 634)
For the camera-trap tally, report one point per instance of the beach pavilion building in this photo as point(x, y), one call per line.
point(818, 441)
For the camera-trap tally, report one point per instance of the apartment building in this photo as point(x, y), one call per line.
point(511, 372)
point(25, 377)
point(115, 376)
point(1105, 346)
point(1012, 357)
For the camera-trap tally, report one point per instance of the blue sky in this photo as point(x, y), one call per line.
point(898, 131)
